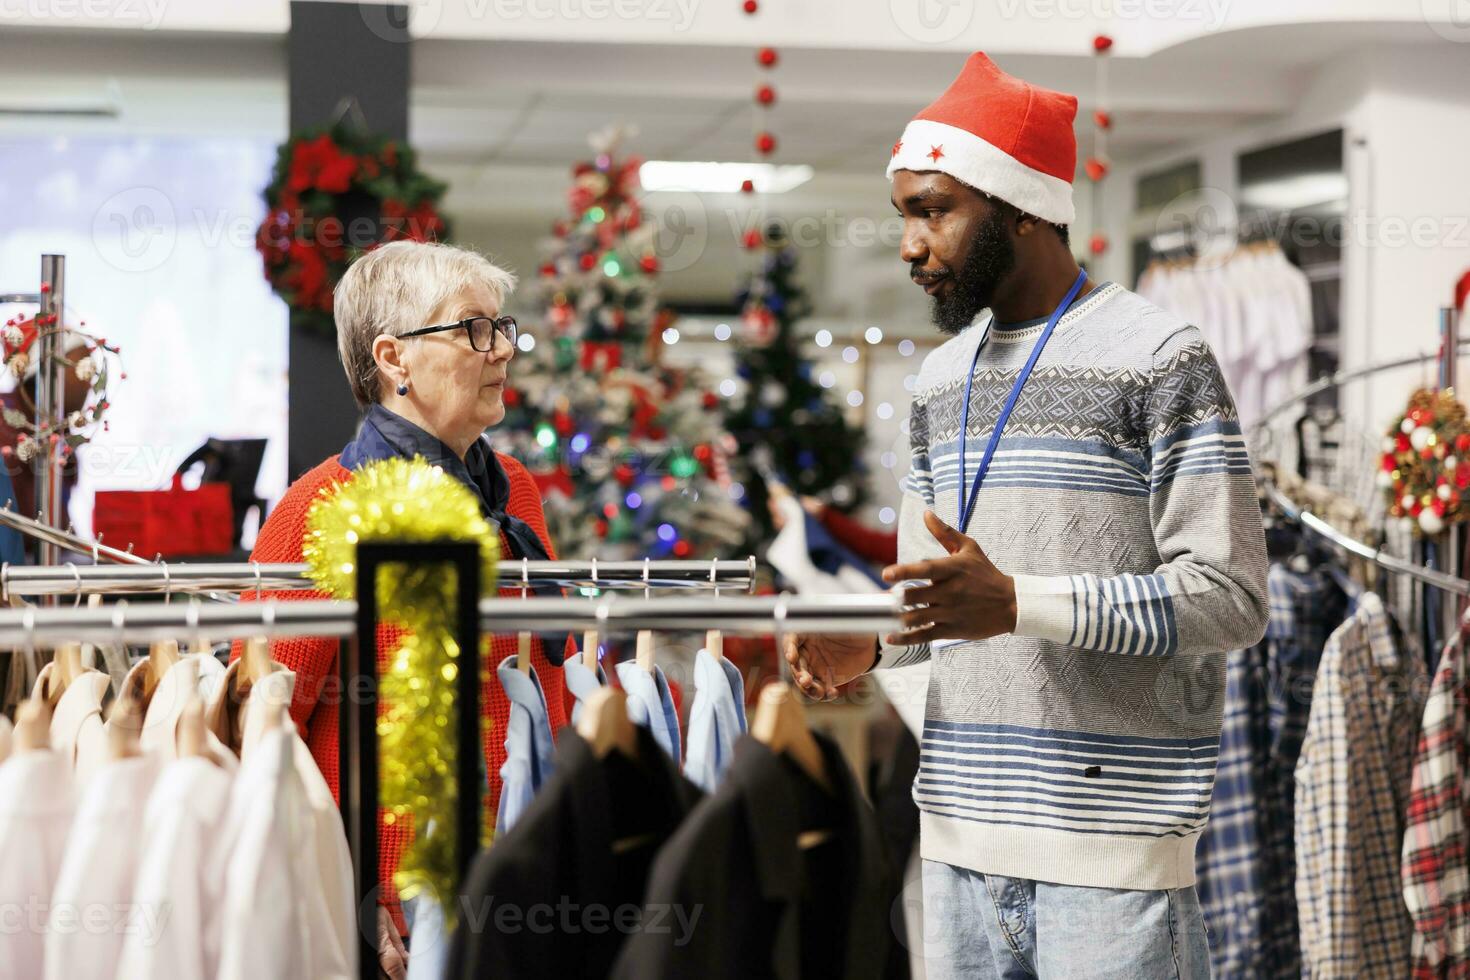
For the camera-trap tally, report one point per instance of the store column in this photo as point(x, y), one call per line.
point(347, 59)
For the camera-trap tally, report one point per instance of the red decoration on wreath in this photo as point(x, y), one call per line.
point(309, 234)
point(766, 95)
point(747, 186)
point(1096, 169)
point(1102, 119)
point(753, 238)
point(1098, 244)
point(750, 6)
point(765, 143)
point(1102, 44)
point(1421, 465)
point(767, 57)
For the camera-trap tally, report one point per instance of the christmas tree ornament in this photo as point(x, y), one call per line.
point(765, 95)
point(1419, 467)
point(765, 143)
point(766, 57)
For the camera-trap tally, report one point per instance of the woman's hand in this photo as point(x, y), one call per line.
point(392, 957)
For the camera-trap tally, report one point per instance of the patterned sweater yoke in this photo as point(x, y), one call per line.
point(1081, 748)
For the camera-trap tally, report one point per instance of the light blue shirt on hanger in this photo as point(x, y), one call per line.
point(651, 704)
point(583, 682)
point(528, 745)
point(716, 719)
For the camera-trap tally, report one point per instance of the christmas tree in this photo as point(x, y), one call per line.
point(785, 422)
point(629, 454)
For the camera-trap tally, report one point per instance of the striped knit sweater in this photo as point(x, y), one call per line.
point(1080, 749)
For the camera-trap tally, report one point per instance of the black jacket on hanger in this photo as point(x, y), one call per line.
point(558, 894)
point(734, 895)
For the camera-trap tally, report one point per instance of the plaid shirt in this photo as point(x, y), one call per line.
point(1436, 870)
point(1305, 609)
point(1246, 861)
point(1230, 861)
point(1351, 797)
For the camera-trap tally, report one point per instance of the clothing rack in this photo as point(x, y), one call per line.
point(1311, 522)
point(46, 534)
point(123, 622)
point(164, 578)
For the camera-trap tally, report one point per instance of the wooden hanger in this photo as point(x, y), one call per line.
point(714, 642)
point(589, 650)
point(68, 667)
point(523, 653)
point(189, 735)
point(605, 724)
point(32, 726)
point(161, 656)
point(643, 654)
point(780, 724)
point(7, 736)
point(124, 724)
point(255, 662)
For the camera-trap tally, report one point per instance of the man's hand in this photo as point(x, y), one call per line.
point(967, 597)
point(823, 662)
point(392, 957)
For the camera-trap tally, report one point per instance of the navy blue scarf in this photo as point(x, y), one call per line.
point(385, 435)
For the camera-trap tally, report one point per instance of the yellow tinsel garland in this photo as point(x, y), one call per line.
point(398, 500)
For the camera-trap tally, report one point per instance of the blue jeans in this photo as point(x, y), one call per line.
point(988, 927)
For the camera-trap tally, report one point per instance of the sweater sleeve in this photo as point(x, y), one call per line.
point(918, 496)
point(1209, 593)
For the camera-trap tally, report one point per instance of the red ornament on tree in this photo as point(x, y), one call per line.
point(587, 261)
point(767, 57)
point(1102, 43)
point(624, 474)
point(548, 270)
point(649, 263)
point(1098, 244)
point(765, 143)
point(765, 95)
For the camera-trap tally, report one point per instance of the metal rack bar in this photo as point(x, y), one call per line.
point(145, 623)
point(50, 392)
point(1332, 535)
point(65, 539)
point(184, 578)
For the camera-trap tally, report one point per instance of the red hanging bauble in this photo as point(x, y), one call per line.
point(1102, 43)
point(1098, 245)
point(1096, 169)
point(765, 143)
point(753, 238)
point(681, 549)
point(767, 57)
point(747, 186)
point(563, 424)
point(765, 95)
point(548, 270)
point(649, 263)
point(587, 261)
point(624, 474)
point(1103, 119)
point(750, 6)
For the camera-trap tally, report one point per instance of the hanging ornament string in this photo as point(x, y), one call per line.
point(762, 139)
point(399, 500)
point(1098, 162)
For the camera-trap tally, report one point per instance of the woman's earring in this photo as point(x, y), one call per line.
point(402, 389)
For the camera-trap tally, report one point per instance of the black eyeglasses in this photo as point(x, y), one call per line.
point(482, 330)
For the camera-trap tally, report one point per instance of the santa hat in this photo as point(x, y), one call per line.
point(1002, 136)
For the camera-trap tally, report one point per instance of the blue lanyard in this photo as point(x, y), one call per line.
point(967, 504)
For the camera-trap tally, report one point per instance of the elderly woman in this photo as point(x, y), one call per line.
point(426, 348)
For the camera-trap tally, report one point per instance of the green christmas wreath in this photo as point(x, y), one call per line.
point(335, 193)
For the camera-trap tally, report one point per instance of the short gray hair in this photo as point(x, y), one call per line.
point(396, 288)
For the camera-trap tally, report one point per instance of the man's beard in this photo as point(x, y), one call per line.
point(990, 259)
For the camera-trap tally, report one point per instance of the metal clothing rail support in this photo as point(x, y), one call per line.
point(147, 622)
point(1332, 535)
point(165, 578)
point(47, 534)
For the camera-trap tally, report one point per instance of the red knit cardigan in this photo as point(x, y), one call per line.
point(314, 706)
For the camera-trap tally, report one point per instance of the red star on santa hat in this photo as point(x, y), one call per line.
point(897, 146)
point(935, 152)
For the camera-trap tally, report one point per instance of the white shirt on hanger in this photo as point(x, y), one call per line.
point(177, 840)
point(92, 904)
point(36, 805)
point(77, 731)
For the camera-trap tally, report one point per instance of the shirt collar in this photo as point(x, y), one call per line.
point(385, 434)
